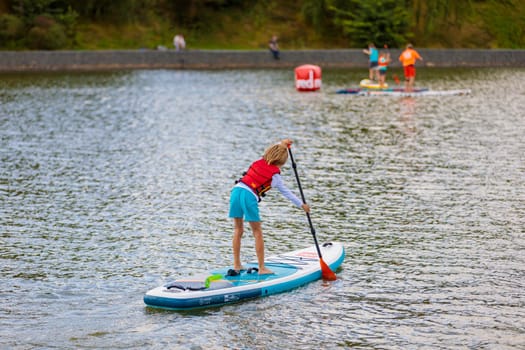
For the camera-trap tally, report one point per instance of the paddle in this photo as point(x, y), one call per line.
point(325, 269)
point(394, 76)
point(396, 79)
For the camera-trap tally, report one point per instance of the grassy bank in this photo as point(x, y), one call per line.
point(238, 24)
point(233, 29)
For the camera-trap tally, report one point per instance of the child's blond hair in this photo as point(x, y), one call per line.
point(276, 155)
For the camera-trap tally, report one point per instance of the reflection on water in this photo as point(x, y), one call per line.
point(113, 183)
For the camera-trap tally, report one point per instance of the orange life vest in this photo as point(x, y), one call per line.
point(383, 62)
point(259, 176)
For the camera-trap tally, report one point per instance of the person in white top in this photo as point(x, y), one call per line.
point(179, 42)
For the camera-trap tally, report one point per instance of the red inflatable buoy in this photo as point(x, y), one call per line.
point(308, 77)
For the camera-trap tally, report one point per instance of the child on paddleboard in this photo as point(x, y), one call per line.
point(261, 176)
point(383, 62)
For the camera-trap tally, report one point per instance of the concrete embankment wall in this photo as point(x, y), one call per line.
point(17, 61)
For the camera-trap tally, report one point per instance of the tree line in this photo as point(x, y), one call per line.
point(53, 24)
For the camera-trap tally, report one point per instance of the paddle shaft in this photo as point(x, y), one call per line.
point(294, 166)
point(394, 76)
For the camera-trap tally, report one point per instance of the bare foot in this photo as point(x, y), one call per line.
point(265, 271)
point(239, 268)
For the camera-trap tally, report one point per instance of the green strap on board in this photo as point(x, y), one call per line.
point(211, 278)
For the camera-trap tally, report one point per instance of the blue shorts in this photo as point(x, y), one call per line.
point(243, 203)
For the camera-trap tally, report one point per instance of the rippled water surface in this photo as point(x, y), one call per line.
point(114, 183)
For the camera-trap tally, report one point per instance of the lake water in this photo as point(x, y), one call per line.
point(114, 183)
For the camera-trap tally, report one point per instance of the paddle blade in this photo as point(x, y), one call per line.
point(327, 273)
point(396, 79)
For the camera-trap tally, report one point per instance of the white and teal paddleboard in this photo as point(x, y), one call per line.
point(218, 287)
point(415, 93)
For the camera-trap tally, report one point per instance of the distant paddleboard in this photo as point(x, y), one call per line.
point(361, 91)
point(400, 92)
point(223, 286)
point(371, 84)
point(415, 93)
point(369, 87)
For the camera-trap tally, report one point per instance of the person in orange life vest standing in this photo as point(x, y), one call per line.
point(383, 61)
point(262, 175)
point(408, 59)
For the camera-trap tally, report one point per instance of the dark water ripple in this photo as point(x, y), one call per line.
point(111, 184)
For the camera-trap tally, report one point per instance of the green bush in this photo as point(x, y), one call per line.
point(46, 34)
point(505, 21)
point(377, 21)
point(11, 27)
